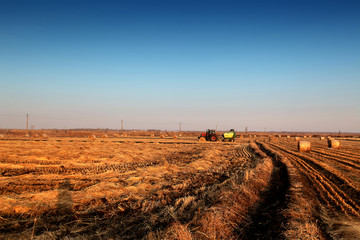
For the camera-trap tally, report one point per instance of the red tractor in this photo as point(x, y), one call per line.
point(209, 135)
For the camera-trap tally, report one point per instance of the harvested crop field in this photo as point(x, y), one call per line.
point(178, 188)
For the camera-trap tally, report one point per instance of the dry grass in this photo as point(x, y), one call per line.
point(222, 219)
point(102, 176)
point(141, 187)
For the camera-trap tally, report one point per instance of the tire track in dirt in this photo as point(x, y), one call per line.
point(267, 220)
point(333, 191)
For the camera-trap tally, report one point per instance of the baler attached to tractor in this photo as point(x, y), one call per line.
point(229, 136)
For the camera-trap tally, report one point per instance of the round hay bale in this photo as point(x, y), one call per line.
point(116, 135)
point(44, 135)
point(175, 137)
point(305, 136)
point(334, 143)
point(322, 138)
point(202, 139)
point(287, 136)
point(254, 136)
point(279, 136)
point(304, 146)
point(92, 137)
point(27, 135)
point(104, 136)
point(297, 138)
point(2, 136)
point(152, 135)
point(35, 135)
point(162, 136)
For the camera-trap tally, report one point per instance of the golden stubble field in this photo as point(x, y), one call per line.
point(177, 188)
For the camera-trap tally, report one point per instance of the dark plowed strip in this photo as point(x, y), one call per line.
point(267, 220)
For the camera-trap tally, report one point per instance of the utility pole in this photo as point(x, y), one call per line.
point(122, 125)
point(246, 129)
point(27, 121)
point(216, 127)
point(180, 127)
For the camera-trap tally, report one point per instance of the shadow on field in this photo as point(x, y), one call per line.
point(267, 220)
point(64, 202)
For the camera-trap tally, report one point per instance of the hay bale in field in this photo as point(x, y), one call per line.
point(202, 139)
point(305, 136)
point(27, 135)
point(175, 137)
point(287, 136)
point(35, 135)
point(279, 136)
point(254, 136)
point(162, 136)
point(92, 137)
point(2, 135)
point(334, 143)
point(322, 138)
point(304, 146)
point(297, 138)
point(104, 136)
point(116, 135)
point(44, 135)
point(152, 135)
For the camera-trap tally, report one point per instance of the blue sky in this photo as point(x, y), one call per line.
point(279, 65)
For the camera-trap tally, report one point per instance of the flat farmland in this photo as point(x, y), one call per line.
point(55, 187)
point(178, 188)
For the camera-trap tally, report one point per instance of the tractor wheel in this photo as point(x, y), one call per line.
point(213, 138)
point(202, 139)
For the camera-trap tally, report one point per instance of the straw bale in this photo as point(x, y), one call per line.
point(334, 143)
point(92, 137)
point(304, 146)
point(202, 139)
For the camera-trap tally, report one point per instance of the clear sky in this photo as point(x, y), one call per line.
point(274, 65)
